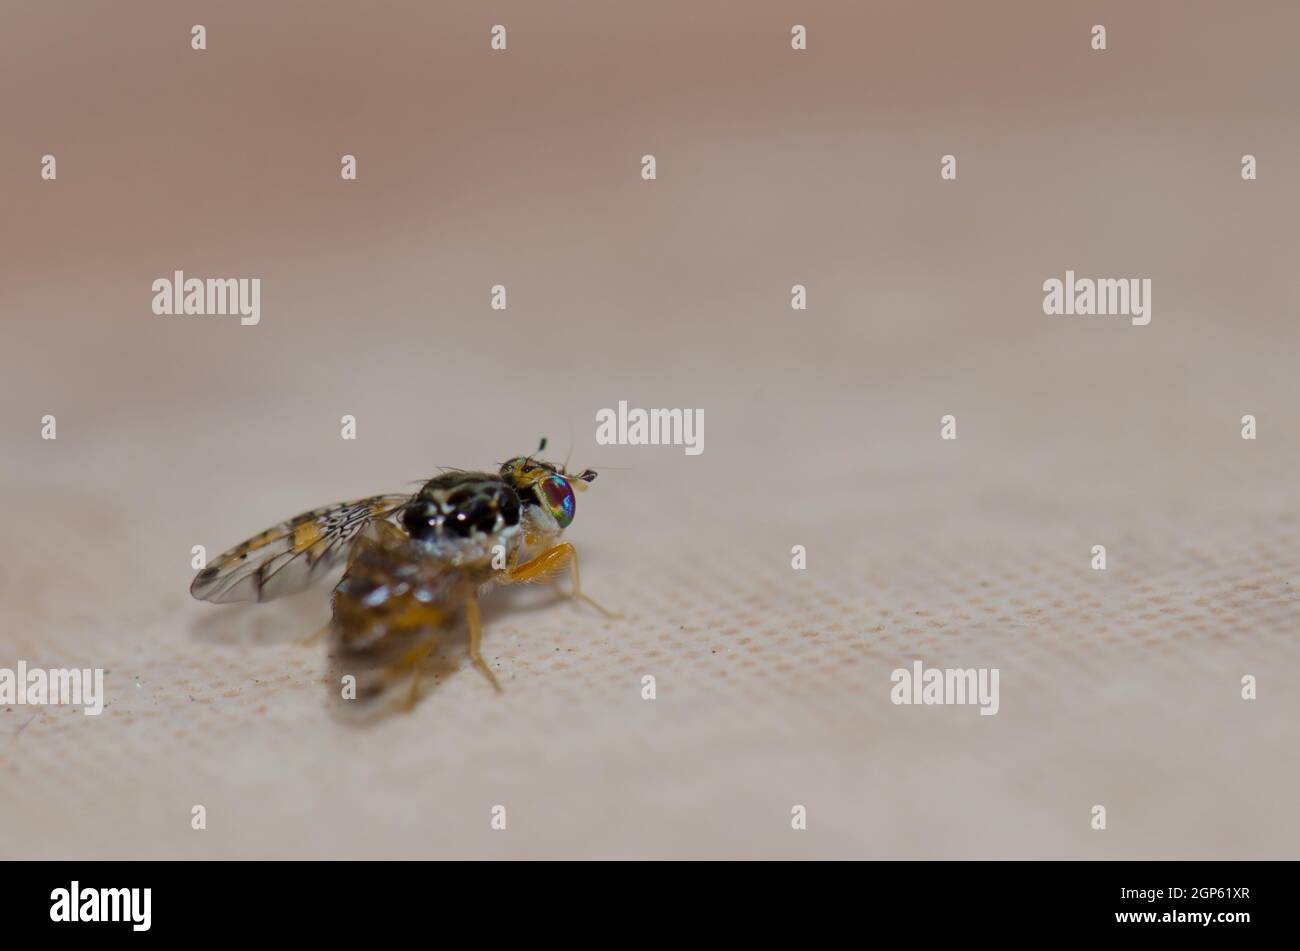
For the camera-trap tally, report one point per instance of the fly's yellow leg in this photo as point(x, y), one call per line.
point(413, 695)
point(414, 658)
point(476, 641)
point(552, 562)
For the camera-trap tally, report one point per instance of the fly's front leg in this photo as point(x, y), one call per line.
point(550, 563)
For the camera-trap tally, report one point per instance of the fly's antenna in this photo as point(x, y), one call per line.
point(582, 479)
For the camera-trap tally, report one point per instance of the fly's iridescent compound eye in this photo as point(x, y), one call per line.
point(558, 496)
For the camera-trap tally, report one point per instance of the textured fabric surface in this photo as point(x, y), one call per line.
point(822, 427)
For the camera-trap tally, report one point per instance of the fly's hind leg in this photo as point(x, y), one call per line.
point(551, 562)
point(319, 636)
point(414, 659)
point(475, 622)
point(413, 694)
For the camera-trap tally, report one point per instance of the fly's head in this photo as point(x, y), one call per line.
point(546, 486)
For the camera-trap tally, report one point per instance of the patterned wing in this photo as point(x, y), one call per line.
point(292, 555)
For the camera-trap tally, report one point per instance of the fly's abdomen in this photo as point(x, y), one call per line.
point(393, 612)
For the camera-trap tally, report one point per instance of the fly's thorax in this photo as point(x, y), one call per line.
point(461, 517)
